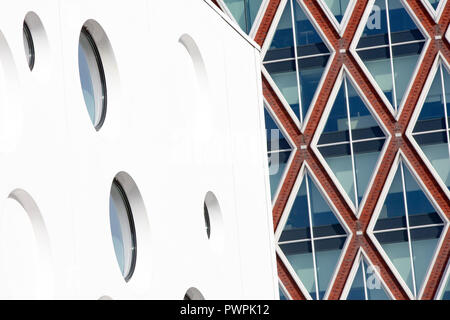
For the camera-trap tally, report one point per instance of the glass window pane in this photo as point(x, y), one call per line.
point(301, 259)
point(424, 242)
point(395, 244)
point(28, 45)
point(92, 78)
point(375, 287)
point(284, 36)
point(297, 226)
point(337, 8)
point(342, 169)
point(447, 89)
point(376, 30)
point(310, 73)
point(286, 81)
point(438, 154)
point(277, 165)
point(404, 62)
point(275, 138)
point(379, 65)
point(432, 115)
point(244, 11)
point(365, 164)
point(360, 116)
point(324, 221)
point(434, 3)
point(306, 34)
point(337, 120)
point(357, 289)
point(445, 295)
point(393, 212)
point(283, 296)
point(419, 207)
point(122, 229)
point(399, 19)
point(327, 256)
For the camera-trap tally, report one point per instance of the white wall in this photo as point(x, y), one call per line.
point(176, 136)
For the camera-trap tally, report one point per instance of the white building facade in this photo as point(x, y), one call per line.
point(176, 120)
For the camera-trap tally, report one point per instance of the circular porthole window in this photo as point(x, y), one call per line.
point(28, 45)
point(193, 294)
point(122, 229)
point(92, 77)
point(207, 220)
point(212, 215)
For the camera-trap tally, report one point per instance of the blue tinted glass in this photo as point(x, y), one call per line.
point(447, 88)
point(341, 165)
point(282, 294)
point(434, 3)
point(360, 116)
point(357, 289)
point(375, 288)
point(297, 226)
point(305, 32)
point(320, 210)
point(403, 71)
point(438, 154)
point(327, 257)
point(399, 18)
point(284, 34)
point(379, 65)
point(337, 8)
point(117, 209)
point(301, 259)
point(418, 203)
point(376, 26)
point(310, 73)
point(286, 81)
point(424, 242)
point(365, 164)
point(275, 138)
point(446, 291)
point(337, 120)
point(244, 11)
point(393, 212)
point(433, 108)
point(395, 244)
point(277, 165)
point(86, 82)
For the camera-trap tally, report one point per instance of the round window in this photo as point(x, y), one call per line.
point(122, 229)
point(28, 45)
point(207, 221)
point(193, 294)
point(92, 78)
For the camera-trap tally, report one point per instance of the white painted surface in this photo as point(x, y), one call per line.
point(178, 138)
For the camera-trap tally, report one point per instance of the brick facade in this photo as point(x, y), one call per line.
point(436, 44)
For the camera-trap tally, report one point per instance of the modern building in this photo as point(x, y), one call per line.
point(357, 102)
point(133, 153)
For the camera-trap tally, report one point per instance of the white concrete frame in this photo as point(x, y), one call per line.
point(354, 44)
point(305, 169)
point(345, 74)
point(401, 159)
point(339, 26)
point(435, 14)
point(362, 256)
point(438, 62)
